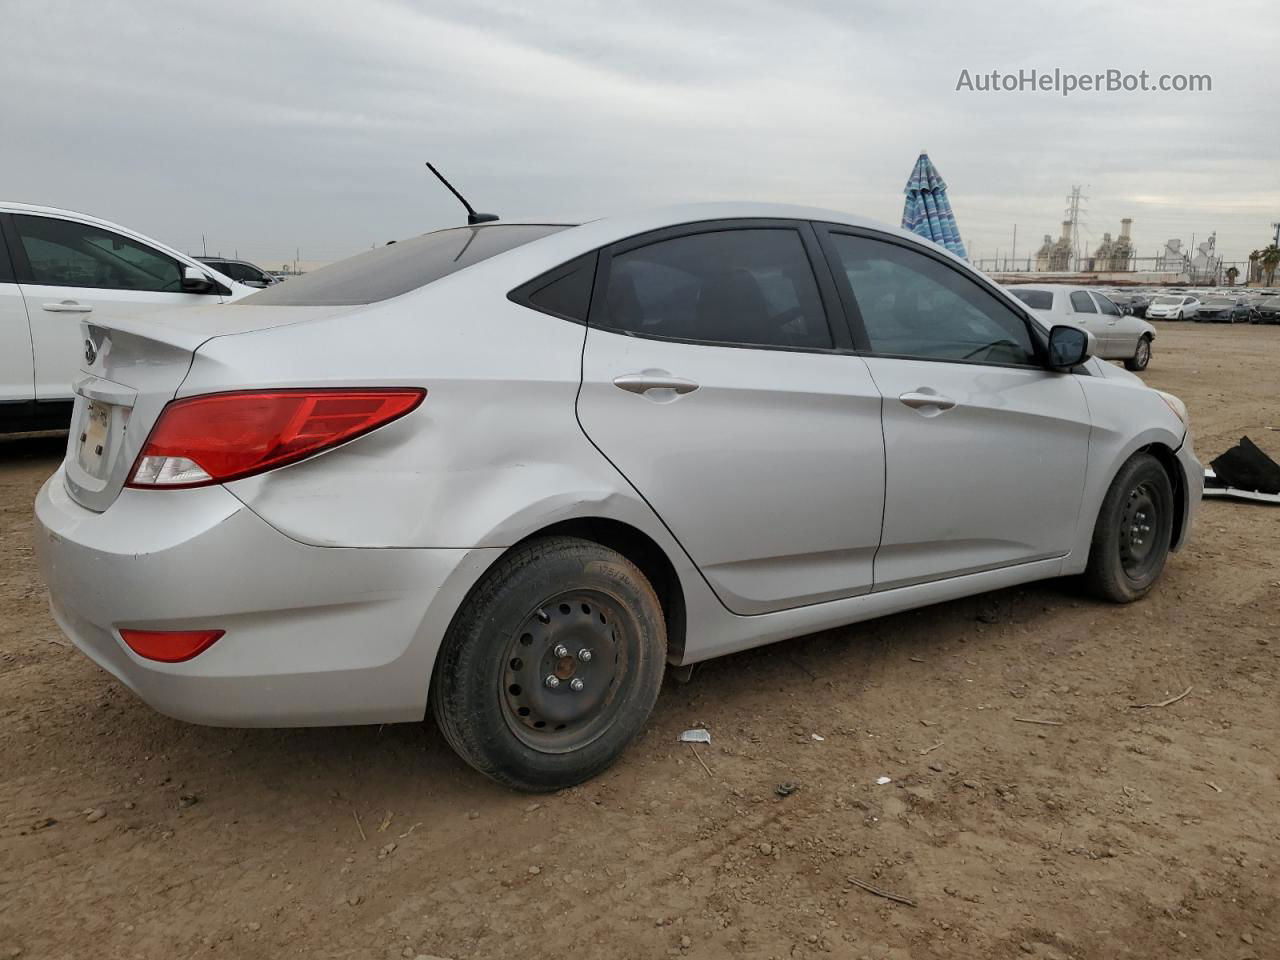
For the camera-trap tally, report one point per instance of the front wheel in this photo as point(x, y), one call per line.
point(1133, 532)
point(552, 665)
point(1141, 356)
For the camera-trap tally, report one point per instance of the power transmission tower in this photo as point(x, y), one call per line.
point(1072, 213)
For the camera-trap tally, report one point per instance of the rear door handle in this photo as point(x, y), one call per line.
point(916, 400)
point(644, 382)
point(67, 306)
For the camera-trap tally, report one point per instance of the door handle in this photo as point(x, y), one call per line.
point(643, 382)
point(67, 306)
point(916, 400)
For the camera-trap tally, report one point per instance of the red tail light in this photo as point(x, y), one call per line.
point(226, 436)
point(170, 646)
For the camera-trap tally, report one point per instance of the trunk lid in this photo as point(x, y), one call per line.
point(129, 370)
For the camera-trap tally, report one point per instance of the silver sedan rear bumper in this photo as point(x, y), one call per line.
point(314, 635)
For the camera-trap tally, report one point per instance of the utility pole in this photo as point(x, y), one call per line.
point(1276, 228)
point(1013, 254)
point(204, 246)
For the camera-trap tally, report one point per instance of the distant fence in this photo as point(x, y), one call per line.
point(1218, 275)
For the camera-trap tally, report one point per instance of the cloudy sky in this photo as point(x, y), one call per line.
point(270, 127)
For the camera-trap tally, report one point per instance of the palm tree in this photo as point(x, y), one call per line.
point(1270, 259)
point(1254, 272)
point(1232, 274)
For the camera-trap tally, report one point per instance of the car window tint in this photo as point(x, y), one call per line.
point(1106, 306)
point(397, 268)
point(1035, 299)
point(915, 306)
point(240, 271)
point(64, 253)
point(753, 287)
point(1081, 303)
point(6, 265)
point(569, 295)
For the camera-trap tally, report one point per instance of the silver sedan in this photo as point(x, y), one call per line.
point(1119, 335)
point(508, 473)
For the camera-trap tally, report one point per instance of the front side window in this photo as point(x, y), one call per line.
point(749, 287)
point(64, 253)
point(915, 306)
point(1106, 306)
point(1081, 303)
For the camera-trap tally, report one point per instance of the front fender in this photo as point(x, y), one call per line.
point(1115, 407)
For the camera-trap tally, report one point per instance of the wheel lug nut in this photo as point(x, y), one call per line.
point(552, 681)
point(560, 650)
point(584, 654)
point(575, 684)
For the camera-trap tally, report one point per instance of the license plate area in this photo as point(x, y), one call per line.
point(97, 438)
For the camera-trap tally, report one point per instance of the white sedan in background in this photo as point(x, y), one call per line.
point(58, 268)
point(1120, 336)
point(1173, 306)
point(509, 472)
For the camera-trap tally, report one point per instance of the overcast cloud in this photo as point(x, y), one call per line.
point(270, 127)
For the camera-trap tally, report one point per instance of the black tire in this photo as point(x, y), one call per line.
point(491, 692)
point(1141, 355)
point(1132, 535)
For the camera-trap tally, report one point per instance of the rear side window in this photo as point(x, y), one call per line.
point(1106, 306)
point(563, 292)
point(400, 267)
point(1081, 303)
point(1035, 299)
point(6, 265)
point(748, 287)
point(66, 253)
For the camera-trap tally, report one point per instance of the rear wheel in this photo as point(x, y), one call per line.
point(552, 666)
point(1141, 356)
point(1133, 532)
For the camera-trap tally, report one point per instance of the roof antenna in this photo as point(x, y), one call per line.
point(472, 217)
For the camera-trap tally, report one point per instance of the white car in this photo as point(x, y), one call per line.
point(1120, 336)
point(509, 472)
point(1173, 306)
point(58, 268)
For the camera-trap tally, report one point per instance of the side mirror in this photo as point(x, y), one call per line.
point(195, 280)
point(1069, 346)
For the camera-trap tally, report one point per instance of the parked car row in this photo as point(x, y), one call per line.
point(1231, 305)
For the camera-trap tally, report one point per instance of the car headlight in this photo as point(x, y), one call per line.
point(1177, 406)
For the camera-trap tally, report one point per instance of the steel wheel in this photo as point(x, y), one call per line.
point(563, 668)
point(552, 665)
point(1133, 533)
point(1139, 532)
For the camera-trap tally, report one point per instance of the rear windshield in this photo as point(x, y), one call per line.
point(399, 267)
point(1035, 299)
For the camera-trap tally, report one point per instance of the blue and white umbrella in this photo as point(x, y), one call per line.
point(927, 210)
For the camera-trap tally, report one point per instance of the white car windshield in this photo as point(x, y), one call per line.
point(1167, 301)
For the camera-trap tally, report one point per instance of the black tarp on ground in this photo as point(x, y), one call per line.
point(1246, 467)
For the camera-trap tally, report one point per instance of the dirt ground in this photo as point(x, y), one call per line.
point(1110, 832)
